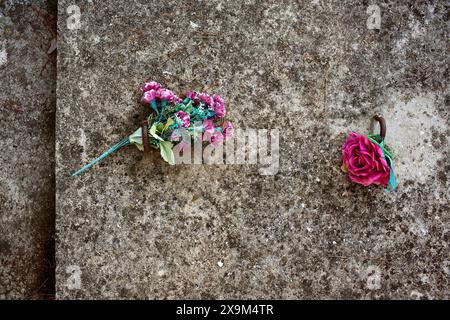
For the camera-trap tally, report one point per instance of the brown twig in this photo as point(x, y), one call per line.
point(382, 123)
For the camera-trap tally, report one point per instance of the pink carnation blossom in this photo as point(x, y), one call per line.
point(364, 161)
point(194, 96)
point(211, 133)
point(184, 118)
point(208, 129)
point(227, 130)
point(218, 99)
point(219, 106)
point(216, 138)
point(191, 94)
point(220, 110)
point(206, 98)
point(152, 85)
point(148, 97)
point(167, 95)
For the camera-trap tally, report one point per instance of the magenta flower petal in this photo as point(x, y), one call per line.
point(167, 95)
point(191, 94)
point(206, 99)
point(219, 109)
point(184, 118)
point(364, 161)
point(227, 129)
point(208, 129)
point(148, 97)
point(216, 138)
point(152, 85)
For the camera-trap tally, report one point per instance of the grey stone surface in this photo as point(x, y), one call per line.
point(134, 227)
point(27, 114)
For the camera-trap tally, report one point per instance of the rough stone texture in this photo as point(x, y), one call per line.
point(134, 227)
point(27, 115)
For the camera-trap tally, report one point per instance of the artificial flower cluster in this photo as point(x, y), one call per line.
point(197, 115)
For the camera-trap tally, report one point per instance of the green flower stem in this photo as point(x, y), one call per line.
point(163, 108)
point(113, 149)
point(154, 107)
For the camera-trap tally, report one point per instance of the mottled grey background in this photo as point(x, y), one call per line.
point(134, 227)
point(27, 144)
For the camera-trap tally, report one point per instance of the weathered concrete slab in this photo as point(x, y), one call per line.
point(135, 227)
point(27, 115)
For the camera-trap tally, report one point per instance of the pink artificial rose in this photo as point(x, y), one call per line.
point(227, 130)
point(364, 161)
point(152, 85)
point(148, 97)
point(184, 118)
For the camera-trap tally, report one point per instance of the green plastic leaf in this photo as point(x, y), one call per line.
point(343, 168)
point(169, 122)
point(166, 151)
point(136, 139)
point(380, 142)
point(153, 132)
point(160, 127)
point(188, 107)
